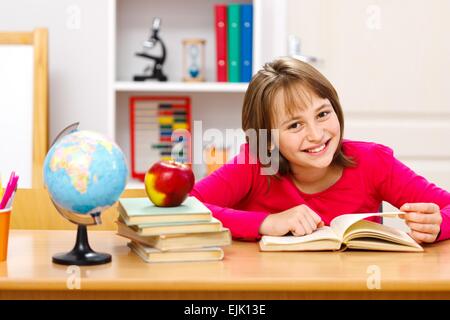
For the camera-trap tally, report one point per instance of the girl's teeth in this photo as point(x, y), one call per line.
point(318, 149)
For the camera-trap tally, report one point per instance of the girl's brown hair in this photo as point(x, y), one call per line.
point(287, 75)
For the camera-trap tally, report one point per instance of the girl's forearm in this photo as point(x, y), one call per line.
point(244, 225)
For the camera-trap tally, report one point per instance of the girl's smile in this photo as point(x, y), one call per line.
point(318, 150)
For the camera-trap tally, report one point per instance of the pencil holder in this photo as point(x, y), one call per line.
point(5, 215)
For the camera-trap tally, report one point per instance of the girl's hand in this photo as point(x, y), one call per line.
point(300, 220)
point(424, 219)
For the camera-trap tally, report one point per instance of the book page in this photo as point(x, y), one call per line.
point(323, 233)
point(381, 245)
point(341, 223)
point(364, 229)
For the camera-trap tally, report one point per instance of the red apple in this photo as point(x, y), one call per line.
point(167, 183)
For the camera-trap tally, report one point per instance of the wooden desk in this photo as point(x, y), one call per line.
point(245, 273)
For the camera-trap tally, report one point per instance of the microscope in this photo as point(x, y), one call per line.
point(154, 72)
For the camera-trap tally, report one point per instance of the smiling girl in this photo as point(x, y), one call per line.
point(320, 174)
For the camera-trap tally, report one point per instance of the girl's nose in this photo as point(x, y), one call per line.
point(315, 133)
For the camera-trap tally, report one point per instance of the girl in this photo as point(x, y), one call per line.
point(320, 175)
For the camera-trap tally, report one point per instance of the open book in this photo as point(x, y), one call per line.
point(347, 231)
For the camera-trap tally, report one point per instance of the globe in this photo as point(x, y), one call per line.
point(85, 173)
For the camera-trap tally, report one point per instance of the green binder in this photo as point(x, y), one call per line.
point(234, 43)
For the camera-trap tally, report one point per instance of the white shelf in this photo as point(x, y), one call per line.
point(130, 86)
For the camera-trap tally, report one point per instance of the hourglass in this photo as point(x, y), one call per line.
point(194, 60)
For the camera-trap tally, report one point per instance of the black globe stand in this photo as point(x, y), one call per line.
point(82, 254)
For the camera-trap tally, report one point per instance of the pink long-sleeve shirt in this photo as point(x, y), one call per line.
point(240, 197)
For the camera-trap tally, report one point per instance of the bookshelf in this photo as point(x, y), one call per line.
point(216, 104)
point(205, 87)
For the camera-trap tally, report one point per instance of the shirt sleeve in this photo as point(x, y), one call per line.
point(398, 184)
point(224, 189)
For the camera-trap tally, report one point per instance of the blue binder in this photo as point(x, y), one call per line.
point(246, 42)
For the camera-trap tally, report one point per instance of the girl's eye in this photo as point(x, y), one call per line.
point(295, 125)
point(323, 114)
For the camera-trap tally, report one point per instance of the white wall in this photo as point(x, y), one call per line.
point(389, 61)
point(78, 56)
point(16, 112)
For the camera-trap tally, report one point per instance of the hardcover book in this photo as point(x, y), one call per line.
point(149, 254)
point(348, 231)
point(134, 211)
point(178, 241)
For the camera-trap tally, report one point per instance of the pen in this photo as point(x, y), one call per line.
point(14, 187)
point(12, 184)
point(11, 200)
point(7, 185)
point(10, 179)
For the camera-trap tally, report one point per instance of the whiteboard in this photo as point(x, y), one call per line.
point(16, 112)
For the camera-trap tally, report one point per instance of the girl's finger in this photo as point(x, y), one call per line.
point(311, 221)
point(316, 218)
point(423, 237)
point(424, 228)
point(298, 230)
point(417, 240)
point(305, 223)
point(420, 207)
point(421, 217)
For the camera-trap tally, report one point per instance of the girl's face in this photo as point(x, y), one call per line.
point(310, 135)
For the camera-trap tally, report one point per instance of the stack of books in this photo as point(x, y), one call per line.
point(187, 232)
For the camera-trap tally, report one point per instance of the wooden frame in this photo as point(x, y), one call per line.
point(39, 40)
point(183, 102)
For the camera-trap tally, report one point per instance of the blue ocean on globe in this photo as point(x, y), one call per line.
point(85, 173)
